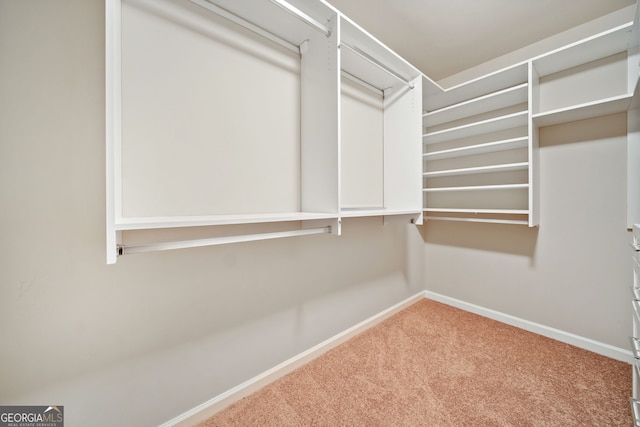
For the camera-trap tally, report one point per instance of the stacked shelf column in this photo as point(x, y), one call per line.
point(477, 151)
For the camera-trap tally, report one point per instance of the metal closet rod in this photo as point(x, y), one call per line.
point(362, 83)
point(378, 64)
point(183, 244)
point(218, 10)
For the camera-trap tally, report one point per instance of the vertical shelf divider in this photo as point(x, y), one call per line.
point(320, 124)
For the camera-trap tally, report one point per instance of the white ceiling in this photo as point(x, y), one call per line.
point(444, 37)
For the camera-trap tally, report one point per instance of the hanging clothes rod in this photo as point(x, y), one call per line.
point(303, 17)
point(183, 244)
point(362, 83)
point(378, 64)
point(220, 11)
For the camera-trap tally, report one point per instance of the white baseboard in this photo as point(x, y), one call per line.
point(211, 407)
point(218, 403)
point(613, 352)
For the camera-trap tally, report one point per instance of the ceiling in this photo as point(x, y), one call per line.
point(444, 37)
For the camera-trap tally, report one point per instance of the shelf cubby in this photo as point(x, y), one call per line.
point(395, 88)
point(582, 80)
point(588, 110)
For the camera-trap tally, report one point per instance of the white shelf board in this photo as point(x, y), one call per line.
point(436, 97)
point(356, 213)
point(484, 126)
point(355, 36)
point(616, 104)
point(480, 169)
point(489, 147)
point(477, 188)
point(493, 101)
point(480, 211)
point(601, 45)
point(356, 66)
point(468, 219)
point(209, 220)
point(274, 19)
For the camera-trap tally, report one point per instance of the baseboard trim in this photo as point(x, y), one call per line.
point(608, 350)
point(218, 403)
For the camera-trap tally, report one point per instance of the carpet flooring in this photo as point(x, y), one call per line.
point(435, 365)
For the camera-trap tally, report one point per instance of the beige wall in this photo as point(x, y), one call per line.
point(142, 341)
point(571, 273)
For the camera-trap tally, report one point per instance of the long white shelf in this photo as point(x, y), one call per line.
point(476, 188)
point(142, 223)
point(470, 150)
point(467, 219)
point(356, 213)
point(271, 18)
point(588, 110)
point(480, 211)
point(436, 97)
point(507, 167)
point(601, 45)
point(493, 101)
point(484, 126)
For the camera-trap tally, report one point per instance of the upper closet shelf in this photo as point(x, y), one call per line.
point(290, 21)
point(362, 212)
point(364, 57)
point(616, 104)
point(601, 45)
point(493, 101)
point(435, 97)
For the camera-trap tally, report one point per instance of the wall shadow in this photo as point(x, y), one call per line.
point(504, 238)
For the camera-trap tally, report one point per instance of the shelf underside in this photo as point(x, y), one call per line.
point(480, 169)
point(494, 216)
point(599, 46)
point(436, 97)
point(142, 223)
point(146, 223)
point(477, 188)
point(509, 121)
point(616, 104)
point(491, 102)
point(471, 150)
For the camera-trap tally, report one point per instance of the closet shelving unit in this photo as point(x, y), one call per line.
point(366, 61)
point(310, 31)
point(480, 141)
point(328, 46)
point(582, 64)
point(477, 152)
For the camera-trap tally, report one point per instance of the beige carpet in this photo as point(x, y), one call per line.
point(434, 365)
